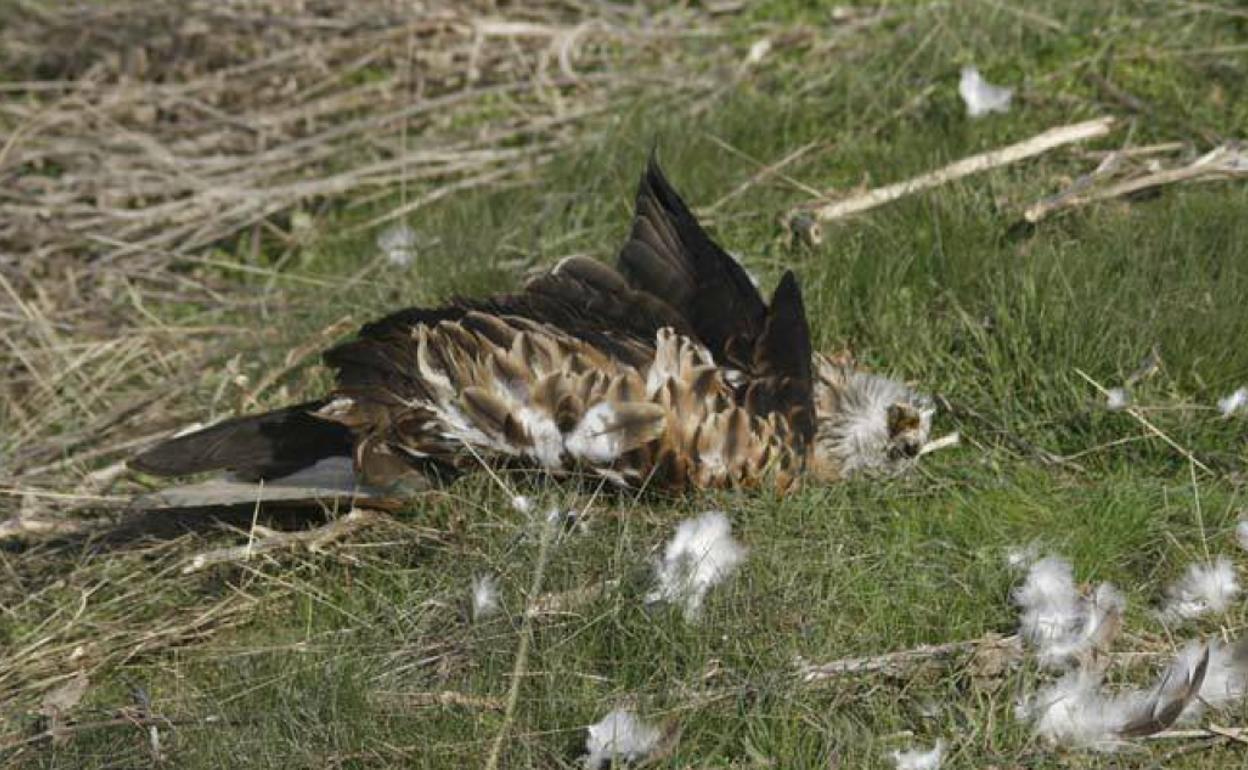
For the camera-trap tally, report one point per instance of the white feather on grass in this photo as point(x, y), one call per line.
point(398, 244)
point(1241, 533)
point(485, 598)
point(1234, 402)
point(917, 759)
point(1076, 711)
point(1117, 399)
point(1203, 589)
point(1022, 556)
point(980, 96)
point(620, 736)
point(1226, 680)
point(1062, 624)
point(701, 554)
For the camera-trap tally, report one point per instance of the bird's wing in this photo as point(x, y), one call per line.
point(670, 256)
point(579, 296)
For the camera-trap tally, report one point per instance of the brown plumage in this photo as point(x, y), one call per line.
point(668, 370)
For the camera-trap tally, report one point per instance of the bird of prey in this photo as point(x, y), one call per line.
point(668, 370)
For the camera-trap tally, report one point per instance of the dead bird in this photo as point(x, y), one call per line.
point(667, 370)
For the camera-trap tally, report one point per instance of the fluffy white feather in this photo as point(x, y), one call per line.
point(1117, 399)
point(917, 759)
point(485, 598)
point(980, 96)
point(1226, 681)
point(398, 244)
point(622, 736)
point(701, 554)
point(1057, 620)
point(1076, 711)
point(1202, 589)
point(1241, 533)
point(1022, 556)
point(1234, 402)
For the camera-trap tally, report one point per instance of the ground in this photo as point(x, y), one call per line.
point(330, 659)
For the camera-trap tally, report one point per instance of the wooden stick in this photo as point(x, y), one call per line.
point(895, 662)
point(63, 731)
point(412, 700)
point(567, 602)
point(1224, 162)
point(1004, 156)
point(1239, 734)
point(270, 540)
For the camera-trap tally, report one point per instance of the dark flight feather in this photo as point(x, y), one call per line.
point(669, 255)
point(256, 446)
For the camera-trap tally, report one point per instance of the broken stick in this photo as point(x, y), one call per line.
point(1004, 156)
point(268, 540)
point(1223, 162)
point(899, 662)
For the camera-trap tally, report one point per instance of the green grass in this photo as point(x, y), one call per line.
point(937, 288)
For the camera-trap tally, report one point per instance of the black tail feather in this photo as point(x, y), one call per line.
point(261, 446)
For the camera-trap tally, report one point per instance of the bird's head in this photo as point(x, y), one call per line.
point(865, 422)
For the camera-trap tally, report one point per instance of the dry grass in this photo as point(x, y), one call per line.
point(153, 153)
point(155, 148)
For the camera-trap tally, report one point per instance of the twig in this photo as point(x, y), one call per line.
point(1223, 162)
point(899, 662)
point(1239, 734)
point(269, 540)
point(944, 442)
point(568, 601)
point(1036, 145)
point(414, 700)
point(62, 731)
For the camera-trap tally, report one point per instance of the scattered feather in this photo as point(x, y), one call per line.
point(980, 96)
point(398, 244)
point(567, 521)
point(1075, 710)
point(1234, 402)
point(1202, 589)
point(701, 554)
point(620, 736)
point(1117, 399)
point(758, 51)
point(485, 598)
point(1241, 533)
point(522, 504)
point(1062, 624)
point(1149, 365)
point(917, 759)
point(1226, 679)
point(1022, 557)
